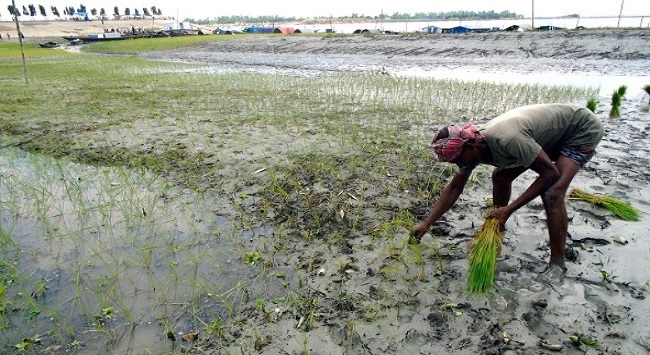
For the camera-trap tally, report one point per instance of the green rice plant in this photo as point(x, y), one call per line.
point(621, 209)
point(617, 98)
point(616, 104)
point(485, 248)
point(416, 248)
point(592, 104)
point(3, 300)
point(646, 88)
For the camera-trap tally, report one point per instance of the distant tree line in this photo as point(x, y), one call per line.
point(30, 10)
point(452, 15)
point(425, 16)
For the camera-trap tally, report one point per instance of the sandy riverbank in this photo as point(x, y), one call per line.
point(35, 30)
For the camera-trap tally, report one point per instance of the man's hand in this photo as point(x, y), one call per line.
point(419, 230)
point(501, 213)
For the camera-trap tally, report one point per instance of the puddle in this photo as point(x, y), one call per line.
point(109, 260)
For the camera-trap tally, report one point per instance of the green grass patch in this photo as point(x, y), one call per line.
point(142, 45)
point(32, 50)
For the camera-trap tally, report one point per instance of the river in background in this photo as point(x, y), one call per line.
point(418, 26)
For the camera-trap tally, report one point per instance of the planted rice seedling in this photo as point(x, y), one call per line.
point(617, 97)
point(619, 208)
point(616, 104)
point(485, 248)
point(592, 104)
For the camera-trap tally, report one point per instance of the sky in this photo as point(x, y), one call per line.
point(202, 9)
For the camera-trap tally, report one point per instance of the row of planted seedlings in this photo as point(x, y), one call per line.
point(353, 183)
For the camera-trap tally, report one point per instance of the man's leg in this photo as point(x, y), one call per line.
point(502, 184)
point(555, 207)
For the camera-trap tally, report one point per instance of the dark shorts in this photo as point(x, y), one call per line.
point(580, 155)
point(586, 134)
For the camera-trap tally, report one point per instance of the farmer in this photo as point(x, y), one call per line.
point(553, 140)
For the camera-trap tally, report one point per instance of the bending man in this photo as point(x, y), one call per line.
point(554, 140)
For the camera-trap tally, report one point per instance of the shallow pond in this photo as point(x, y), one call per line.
point(111, 260)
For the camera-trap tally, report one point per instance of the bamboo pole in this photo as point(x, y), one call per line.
point(533, 15)
point(20, 40)
point(620, 14)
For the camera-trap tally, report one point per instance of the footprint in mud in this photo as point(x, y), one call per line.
point(534, 319)
point(439, 323)
point(590, 242)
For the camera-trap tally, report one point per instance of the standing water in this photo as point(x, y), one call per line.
point(98, 259)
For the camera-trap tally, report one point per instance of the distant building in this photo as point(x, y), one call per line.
point(549, 28)
point(432, 29)
point(285, 30)
point(457, 29)
point(224, 31)
point(258, 29)
point(364, 31)
point(173, 26)
point(513, 28)
point(80, 16)
point(464, 29)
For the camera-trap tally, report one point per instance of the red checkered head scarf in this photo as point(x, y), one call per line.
point(449, 146)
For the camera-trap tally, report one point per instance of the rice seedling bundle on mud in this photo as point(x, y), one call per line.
point(621, 209)
point(486, 247)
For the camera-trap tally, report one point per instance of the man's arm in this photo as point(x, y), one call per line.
point(548, 175)
point(448, 197)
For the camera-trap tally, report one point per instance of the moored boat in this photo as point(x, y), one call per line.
point(49, 44)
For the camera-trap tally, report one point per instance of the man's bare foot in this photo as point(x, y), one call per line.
point(554, 272)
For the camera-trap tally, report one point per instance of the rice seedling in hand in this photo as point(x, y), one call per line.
point(621, 209)
point(486, 247)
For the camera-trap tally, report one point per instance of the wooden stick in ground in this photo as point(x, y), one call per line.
point(20, 40)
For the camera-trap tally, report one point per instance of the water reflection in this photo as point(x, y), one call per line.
point(107, 259)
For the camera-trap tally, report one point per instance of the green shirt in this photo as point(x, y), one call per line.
point(516, 137)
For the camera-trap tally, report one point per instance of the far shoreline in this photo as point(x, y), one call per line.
point(59, 28)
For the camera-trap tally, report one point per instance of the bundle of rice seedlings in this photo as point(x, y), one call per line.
point(486, 247)
point(592, 104)
point(616, 104)
point(621, 209)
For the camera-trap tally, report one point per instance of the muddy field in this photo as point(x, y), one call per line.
point(425, 308)
point(355, 286)
point(616, 52)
